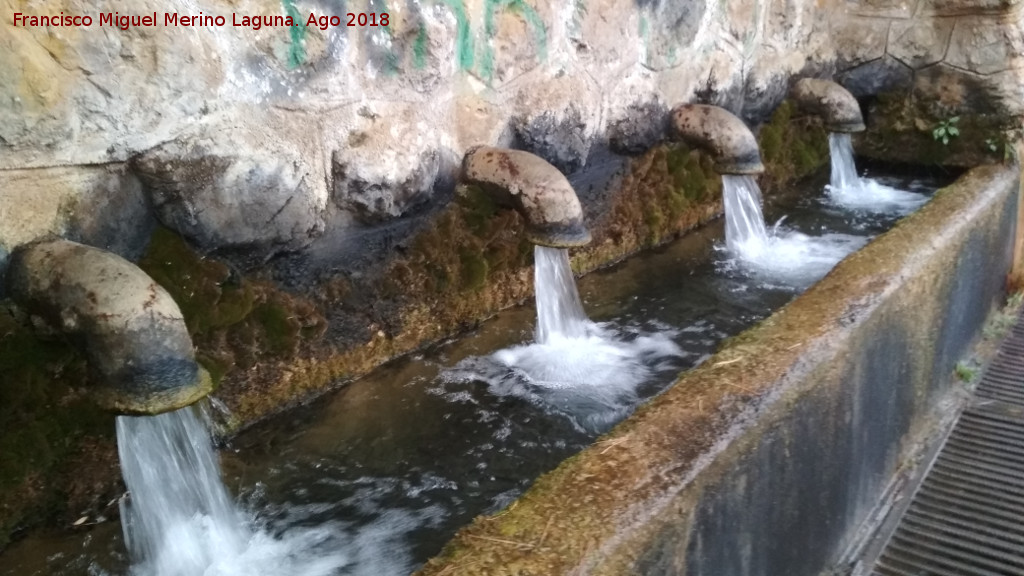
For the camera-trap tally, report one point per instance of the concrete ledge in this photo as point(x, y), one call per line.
point(765, 459)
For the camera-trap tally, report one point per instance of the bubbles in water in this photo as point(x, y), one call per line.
point(793, 259)
point(586, 371)
point(779, 254)
point(848, 190)
point(181, 521)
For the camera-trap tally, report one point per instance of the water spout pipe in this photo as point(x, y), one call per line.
point(534, 188)
point(719, 133)
point(830, 101)
point(133, 333)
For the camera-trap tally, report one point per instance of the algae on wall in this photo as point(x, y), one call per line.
point(46, 422)
point(792, 147)
point(902, 129)
point(268, 348)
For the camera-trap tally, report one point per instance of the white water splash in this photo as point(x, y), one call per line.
point(848, 190)
point(181, 521)
point(775, 254)
point(587, 371)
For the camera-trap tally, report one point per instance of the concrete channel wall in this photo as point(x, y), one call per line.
point(767, 458)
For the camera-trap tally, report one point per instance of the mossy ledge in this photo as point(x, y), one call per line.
point(741, 457)
point(268, 348)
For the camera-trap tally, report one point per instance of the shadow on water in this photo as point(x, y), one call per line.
point(396, 462)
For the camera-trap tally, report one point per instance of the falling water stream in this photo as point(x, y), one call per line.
point(179, 519)
point(586, 370)
point(745, 231)
point(848, 190)
point(559, 310)
point(777, 253)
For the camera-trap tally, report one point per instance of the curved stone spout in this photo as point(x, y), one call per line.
point(132, 331)
point(718, 132)
point(833, 103)
point(534, 188)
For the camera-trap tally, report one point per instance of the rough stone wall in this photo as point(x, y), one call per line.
point(258, 142)
point(966, 55)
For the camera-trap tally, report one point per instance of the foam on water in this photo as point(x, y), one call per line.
point(848, 190)
point(793, 259)
point(181, 521)
point(586, 371)
point(777, 254)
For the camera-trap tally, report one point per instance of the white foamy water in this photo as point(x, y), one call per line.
point(587, 371)
point(794, 259)
point(848, 190)
point(181, 521)
point(776, 254)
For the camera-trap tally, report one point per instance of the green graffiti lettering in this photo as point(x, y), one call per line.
point(297, 33)
point(463, 34)
point(391, 57)
point(524, 11)
point(419, 48)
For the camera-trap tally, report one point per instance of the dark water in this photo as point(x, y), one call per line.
point(392, 465)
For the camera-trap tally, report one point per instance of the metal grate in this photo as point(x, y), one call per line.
point(967, 517)
point(1004, 379)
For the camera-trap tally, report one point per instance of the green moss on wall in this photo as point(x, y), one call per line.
point(667, 191)
point(792, 147)
point(204, 289)
point(44, 413)
point(233, 320)
point(901, 130)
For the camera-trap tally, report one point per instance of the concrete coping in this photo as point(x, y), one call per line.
point(599, 510)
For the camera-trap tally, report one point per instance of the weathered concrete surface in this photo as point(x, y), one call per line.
point(764, 459)
point(255, 142)
point(837, 107)
point(719, 133)
point(133, 333)
point(532, 187)
point(238, 188)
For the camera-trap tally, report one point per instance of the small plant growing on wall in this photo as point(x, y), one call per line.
point(946, 129)
point(997, 143)
point(965, 372)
